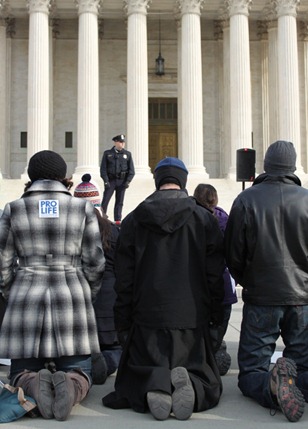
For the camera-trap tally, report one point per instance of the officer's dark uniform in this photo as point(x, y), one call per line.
point(117, 171)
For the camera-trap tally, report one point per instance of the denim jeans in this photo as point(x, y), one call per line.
point(261, 327)
point(63, 363)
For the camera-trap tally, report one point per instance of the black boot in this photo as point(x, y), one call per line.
point(99, 368)
point(223, 359)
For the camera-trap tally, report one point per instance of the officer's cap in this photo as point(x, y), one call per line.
point(119, 138)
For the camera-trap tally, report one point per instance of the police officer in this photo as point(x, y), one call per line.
point(117, 171)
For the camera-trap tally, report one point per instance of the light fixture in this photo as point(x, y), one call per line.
point(160, 62)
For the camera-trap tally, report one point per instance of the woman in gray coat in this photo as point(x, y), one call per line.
point(49, 329)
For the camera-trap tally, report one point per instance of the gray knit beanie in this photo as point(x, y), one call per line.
point(280, 158)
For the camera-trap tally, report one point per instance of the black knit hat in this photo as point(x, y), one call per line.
point(280, 158)
point(46, 164)
point(170, 170)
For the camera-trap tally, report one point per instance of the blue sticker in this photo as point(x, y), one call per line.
point(49, 208)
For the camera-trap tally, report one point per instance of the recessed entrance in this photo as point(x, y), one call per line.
point(163, 139)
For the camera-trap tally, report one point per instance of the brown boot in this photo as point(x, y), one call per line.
point(70, 389)
point(284, 389)
point(39, 386)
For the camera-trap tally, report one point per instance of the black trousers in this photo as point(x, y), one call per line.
point(118, 187)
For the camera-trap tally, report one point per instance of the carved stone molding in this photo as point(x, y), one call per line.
point(223, 12)
point(4, 8)
point(219, 26)
point(55, 25)
point(10, 26)
point(136, 6)
point(53, 9)
point(272, 24)
point(101, 28)
point(42, 6)
point(269, 12)
point(287, 7)
point(303, 30)
point(238, 7)
point(190, 6)
point(88, 6)
point(177, 17)
point(262, 30)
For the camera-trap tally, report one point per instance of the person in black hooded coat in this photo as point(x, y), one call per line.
point(169, 269)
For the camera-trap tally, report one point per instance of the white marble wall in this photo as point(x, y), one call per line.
point(18, 111)
point(112, 90)
point(65, 99)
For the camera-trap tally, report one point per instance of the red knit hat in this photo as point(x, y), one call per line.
point(88, 191)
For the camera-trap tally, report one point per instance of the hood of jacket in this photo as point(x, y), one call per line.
point(286, 178)
point(165, 211)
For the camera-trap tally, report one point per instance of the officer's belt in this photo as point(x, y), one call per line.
point(118, 176)
point(49, 260)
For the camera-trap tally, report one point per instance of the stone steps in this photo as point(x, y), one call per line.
point(140, 188)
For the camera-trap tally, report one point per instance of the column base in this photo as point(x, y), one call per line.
point(302, 176)
point(232, 176)
point(24, 176)
point(197, 170)
point(299, 171)
point(94, 171)
point(143, 171)
point(82, 169)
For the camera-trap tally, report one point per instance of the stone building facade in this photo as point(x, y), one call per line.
point(74, 73)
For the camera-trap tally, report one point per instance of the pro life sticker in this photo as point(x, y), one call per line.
point(49, 208)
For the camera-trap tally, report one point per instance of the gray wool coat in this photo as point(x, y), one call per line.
point(49, 310)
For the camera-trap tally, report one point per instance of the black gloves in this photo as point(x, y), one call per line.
point(217, 313)
point(107, 185)
point(216, 334)
point(122, 337)
point(125, 185)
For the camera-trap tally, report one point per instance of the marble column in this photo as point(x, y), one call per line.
point(53, 32)
point(10, 31)
point(38, 76)
point(305, 42)
point(240, 83)
point(137, 84)
point(288, 80)
point(179, 80)
point(6, 31)
point(3, 99)
point(226, 96)
point(88, 88)
point(191, 87)
point(223, 36)
point(263, 34)
point(273, 81)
